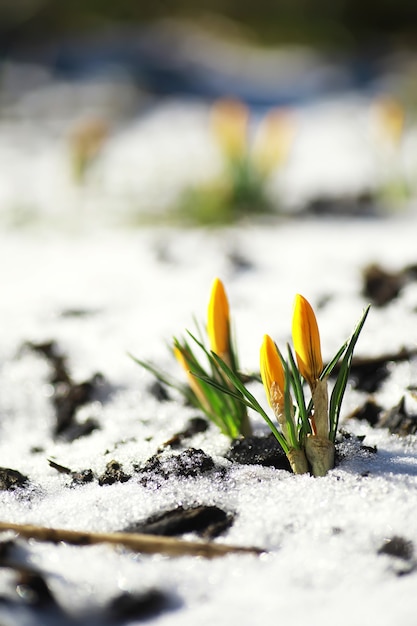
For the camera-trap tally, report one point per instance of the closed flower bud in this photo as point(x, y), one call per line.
point(181, 356)
point(218, 321)
point(306, 339)
point(230, 121)
point(272, 374)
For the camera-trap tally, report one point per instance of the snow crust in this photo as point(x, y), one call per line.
point(67, 247)
point(321, 536)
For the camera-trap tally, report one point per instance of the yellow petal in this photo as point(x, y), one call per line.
point(230, 121)
point(306, 339)
point(272, 371)
point(273, 140)
point(181, 359)
point(390, 118)
point(218, 321)
point(180, 355)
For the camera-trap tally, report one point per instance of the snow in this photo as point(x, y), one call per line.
point(140, 286)
point(321, 536)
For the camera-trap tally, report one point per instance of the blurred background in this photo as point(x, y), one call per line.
point(325, 23)
point(165, 110)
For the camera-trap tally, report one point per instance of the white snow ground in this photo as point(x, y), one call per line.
point(321, 536)
point(138, 288)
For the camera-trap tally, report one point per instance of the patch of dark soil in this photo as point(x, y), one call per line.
point(367, 373)
point(34, 590)
point(239, 262)
point(258, 451)
point(34, 600)
point(369, 412)
point(398, 420)
point(68, 396)
point(7, 547)
point(78, 313)
point(30, 589)
point(399, 547)
point(113, 474)
point(140, 606)
point(191, 463)
point(159, 391)
point(382, 286)
point(81, 477)
point(80, 429)
point(194, 426)
point(348, 445)
point(206, 521)
point(37, 450)
point(11, 479)
point(363, 204)
point(67, 399)
point(50, 351)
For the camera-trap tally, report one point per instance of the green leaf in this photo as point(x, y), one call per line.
point(253, 403)
point(231, 413)
point(166, 379)
point(342, 378)
point(288, 405)
point(332, 364)
point(299, 395)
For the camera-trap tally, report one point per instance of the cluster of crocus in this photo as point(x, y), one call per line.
point(296, 388)
point(313, 441)
point(250, 159)
point(388, 117)
point(251, 153)
point(269, 146)
point(205, 378)
point(306, 427)
point(86, 141)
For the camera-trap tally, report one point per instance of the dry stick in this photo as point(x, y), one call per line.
point(148, 544)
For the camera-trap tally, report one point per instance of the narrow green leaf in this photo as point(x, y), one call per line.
point(231, 411)
point(253, 402)
point(299, 394)
point(288, 405)
point(332, 364)
point(164, 378)
point(342, 378)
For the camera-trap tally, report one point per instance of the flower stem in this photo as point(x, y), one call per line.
point(320, 454)
point(297, 461)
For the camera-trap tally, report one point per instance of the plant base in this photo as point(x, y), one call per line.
point(297, 461)
point(320, 454)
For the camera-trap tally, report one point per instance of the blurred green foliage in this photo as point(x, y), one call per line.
point(321, 22)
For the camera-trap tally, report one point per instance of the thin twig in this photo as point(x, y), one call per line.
point(147, 544)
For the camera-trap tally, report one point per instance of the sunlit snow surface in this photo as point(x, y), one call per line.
point(76, 268)
point(137, 289)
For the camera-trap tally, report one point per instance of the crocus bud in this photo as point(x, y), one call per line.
point(273, 140)
point(306, 339)
point(218, 321)
point(230, 121)
point(272, 374)
point(181, 356)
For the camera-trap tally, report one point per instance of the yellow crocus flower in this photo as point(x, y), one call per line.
point(306, 339)
point(390, 118)
point(273, 140)
point(272, 374)
point(195, 386)
point(230, 121)
point(218, 321)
